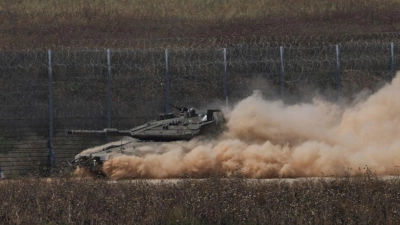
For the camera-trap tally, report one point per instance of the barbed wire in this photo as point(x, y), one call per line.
point(232, 41)
point(209, 42)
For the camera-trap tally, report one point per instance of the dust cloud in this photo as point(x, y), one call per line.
point(268, 139)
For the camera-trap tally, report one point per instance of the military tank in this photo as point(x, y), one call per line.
point(188, 124)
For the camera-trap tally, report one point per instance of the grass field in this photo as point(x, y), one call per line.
point(360, 200)
point(41, 24)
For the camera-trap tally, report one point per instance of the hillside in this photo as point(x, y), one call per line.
point(99, 23)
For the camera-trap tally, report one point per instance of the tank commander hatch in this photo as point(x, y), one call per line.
point(192, 112)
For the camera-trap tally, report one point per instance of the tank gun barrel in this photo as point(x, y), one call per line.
point(107, 131)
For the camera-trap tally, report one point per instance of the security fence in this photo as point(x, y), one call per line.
point(45, 93)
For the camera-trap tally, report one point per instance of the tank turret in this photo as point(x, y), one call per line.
point(167, 127)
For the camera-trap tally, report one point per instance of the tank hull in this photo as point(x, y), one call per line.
point(146, 138)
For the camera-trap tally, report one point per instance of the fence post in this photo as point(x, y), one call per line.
point(337, 74)
point(166, 81)
point(393, 66)
point(52, 155)
point(282, 78)
point(226, 77)
point(109, 79)
point(1, 174)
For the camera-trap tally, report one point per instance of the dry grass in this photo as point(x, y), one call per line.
point(38, 23)
point(361, 200)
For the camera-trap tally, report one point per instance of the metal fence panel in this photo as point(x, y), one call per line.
point(196, 76)
point(79, 89)
point(23, 111)
point(137, 86)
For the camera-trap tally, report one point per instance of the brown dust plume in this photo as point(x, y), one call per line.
point(268, 139)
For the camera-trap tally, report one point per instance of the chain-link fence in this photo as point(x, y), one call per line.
point(45, 93)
